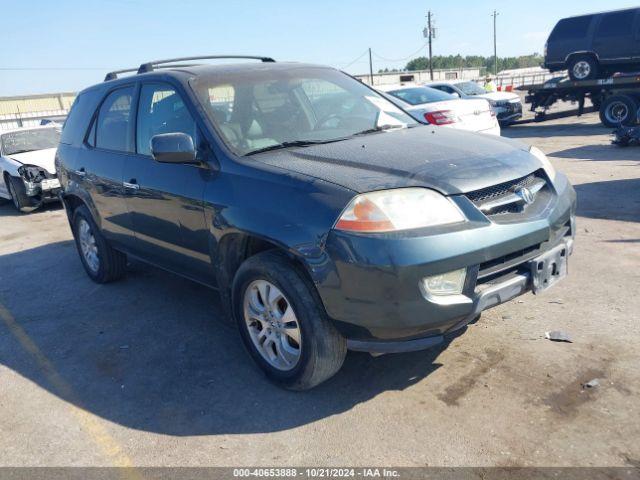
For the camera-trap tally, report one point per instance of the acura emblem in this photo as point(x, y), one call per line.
point(527, 195)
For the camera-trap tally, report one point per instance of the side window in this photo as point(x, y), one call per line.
point(161, 110)
point(616, 24)
point(113, 130)
point(572, 28)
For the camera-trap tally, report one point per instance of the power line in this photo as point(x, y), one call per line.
point(356, 60)
point(22, 69)
point(404, 59)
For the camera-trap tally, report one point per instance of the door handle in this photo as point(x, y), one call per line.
point(81, 172)
point(132, 184)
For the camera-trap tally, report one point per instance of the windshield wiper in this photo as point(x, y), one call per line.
point(293, 143)
point(378, 129)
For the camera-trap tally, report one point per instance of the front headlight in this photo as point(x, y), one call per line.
point(399, 209)
point(546, 163)
point(31, 173)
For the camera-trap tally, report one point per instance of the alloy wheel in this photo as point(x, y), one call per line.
point(88, 245)
point(272, 324)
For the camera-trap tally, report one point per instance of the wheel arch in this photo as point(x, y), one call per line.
point(582, 53)
point(233, 249)
point(73, 199)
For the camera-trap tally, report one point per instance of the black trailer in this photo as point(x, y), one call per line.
point(616, 98)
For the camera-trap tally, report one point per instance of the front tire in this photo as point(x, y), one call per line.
point(583, 67)
point(283, 324)
point(102, 263)
point(18, 193)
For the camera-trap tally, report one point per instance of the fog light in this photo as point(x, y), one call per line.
point(450, 283)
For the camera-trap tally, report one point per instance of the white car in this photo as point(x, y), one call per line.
point(27, 166)
point(507, 105)
point(428, 105)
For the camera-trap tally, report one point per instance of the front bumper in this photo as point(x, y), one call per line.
point(509, 113)
point(374, 297)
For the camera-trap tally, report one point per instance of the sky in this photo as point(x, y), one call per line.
point(65, 45)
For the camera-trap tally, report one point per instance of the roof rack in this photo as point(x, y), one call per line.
point(113, 75)
point(149, 66)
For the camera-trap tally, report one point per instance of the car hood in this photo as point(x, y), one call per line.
point(497, 96)
point(450, 161)
point(40, 158)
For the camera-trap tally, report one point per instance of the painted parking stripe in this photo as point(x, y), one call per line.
point(90, 425)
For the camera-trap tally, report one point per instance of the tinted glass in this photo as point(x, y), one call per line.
point(81, 112)
point(268, 107)
point(616, 24)
point(113, 130)
point(161, 110)
point(571, 28)
point(471, 88)
point(419, 95)
point(23, 141)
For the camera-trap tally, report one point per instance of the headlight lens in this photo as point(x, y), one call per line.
point(399, 209)
point(546, 164)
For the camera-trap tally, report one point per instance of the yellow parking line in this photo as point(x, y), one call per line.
point(88, 422)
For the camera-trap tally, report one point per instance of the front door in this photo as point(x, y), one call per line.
point(165, 201)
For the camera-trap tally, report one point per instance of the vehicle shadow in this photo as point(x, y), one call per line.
point(612, 200)
point(577, 128)
point(599, 153)
point(153, 352)
point(7, 209)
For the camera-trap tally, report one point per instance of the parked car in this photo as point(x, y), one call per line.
point(592, 46)
point(507, 105)
point(27, 169)
point(428, 105)
point(327, 218)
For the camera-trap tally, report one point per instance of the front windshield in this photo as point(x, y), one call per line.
point(271, 108)
point(420, 95)
point(471, 88)
point(22, 141)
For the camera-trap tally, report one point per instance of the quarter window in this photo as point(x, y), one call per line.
point(113, 130)
point(616, 24)
point(572, 28)
point(161, 110)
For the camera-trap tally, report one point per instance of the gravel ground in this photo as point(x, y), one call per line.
point(147, 372)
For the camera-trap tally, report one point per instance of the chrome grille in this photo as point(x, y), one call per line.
point(503, 199)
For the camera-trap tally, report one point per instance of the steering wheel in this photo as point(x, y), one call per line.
point(320, 123)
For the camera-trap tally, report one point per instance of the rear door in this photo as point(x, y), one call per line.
point(615, 38)
point(109, 145)
point(165, 200)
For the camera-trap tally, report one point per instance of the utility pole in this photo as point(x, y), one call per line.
point(430, 34)
point(370, 68)
point(495, 45)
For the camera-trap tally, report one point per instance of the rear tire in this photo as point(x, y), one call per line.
point(18, 192)
point(619, 110)
point(583, 67)
point(102, 263)
point(319, 351)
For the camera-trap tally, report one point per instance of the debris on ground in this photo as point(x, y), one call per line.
point(591, 383)
point(558, 336)
point(626, 136)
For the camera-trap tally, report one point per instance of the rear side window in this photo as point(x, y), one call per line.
point(161, 110)
point(572, 28)
point(78, 119)
point(616, 24)
point(113, 129)
point(418, 95)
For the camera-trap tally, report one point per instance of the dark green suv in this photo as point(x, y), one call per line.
point(325, 216)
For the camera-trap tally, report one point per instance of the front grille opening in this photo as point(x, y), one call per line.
point(488, 199)
point(498, 264)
